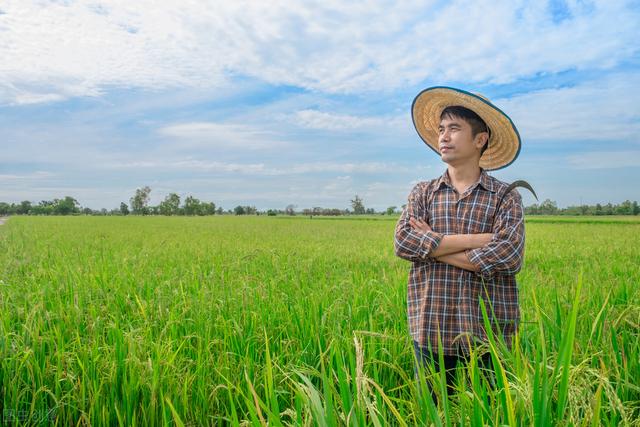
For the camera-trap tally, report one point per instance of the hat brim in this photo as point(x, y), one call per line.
point(504, 143)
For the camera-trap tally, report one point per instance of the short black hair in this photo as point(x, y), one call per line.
point(475, 121)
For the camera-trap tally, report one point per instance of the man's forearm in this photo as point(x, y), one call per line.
point(453, 243)
point(458, 259)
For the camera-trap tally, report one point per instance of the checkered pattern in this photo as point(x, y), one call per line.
point(443, 300)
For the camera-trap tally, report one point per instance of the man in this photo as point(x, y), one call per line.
point(463, 246)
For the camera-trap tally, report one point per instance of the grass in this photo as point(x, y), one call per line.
point(230, 320)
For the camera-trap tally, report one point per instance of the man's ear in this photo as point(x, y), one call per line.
point(481, 139)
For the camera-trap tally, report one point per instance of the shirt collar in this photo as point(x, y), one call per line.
point(484, 180)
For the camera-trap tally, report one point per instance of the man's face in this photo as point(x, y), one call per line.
point(456, 142)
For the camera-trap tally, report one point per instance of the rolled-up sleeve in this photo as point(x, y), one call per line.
point(409, 243)
point(505, 252)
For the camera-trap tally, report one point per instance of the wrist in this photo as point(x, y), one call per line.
point(481, 240)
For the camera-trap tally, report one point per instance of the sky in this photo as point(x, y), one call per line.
point(307, 102)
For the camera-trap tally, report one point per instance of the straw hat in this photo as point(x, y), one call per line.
point(504, 142)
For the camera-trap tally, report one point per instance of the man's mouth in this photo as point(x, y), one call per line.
point(445, 148)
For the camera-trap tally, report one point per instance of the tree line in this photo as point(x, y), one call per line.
point(549, 207)
point(174, 205)
point(138, 205)
point(191, 206)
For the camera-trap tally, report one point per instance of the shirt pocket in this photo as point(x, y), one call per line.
point(476, 218)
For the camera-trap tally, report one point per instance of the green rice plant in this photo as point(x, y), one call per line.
point(290, 321)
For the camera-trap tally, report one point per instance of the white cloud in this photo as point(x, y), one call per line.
point(222, 135)
point(24, 98)
point(339, 185)
point(605, 159)
point(75, 49)
point(37, 175)
point(606, 109)
point(55, 50)
point(258, 168)
point(362, 167)
point(315, 119)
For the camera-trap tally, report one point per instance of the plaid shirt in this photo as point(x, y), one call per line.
point(443, 300)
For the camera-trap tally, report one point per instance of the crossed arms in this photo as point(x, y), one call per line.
point(500, 252)
point(452, 247)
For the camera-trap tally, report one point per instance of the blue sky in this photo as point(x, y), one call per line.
point(307, 103)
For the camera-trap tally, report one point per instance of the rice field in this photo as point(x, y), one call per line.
point(290, 321)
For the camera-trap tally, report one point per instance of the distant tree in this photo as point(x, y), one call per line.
point(66, 206)
point(44, 207)
point(635, 208)
point(47, 206)
point(332, 212)
point(531, 210)
point(5, 208)
point(272, 212)
point(370, 211)
point(357, 205)
point(170, 205)
point(391, 210)
point(598, 209)
point(220, 210)
point(290, 210)
point(548, 207)
point(250, 210)
point(625, 208)
point(207, 208)
point(140, 200)
point(239, 210)
point(191, 206)
point(24, 207)
point(608, 209)
point(124, 209)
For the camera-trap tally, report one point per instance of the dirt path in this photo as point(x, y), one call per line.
point(3, 219)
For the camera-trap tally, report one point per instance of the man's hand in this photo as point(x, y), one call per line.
point(481, 239)
point(419, 225)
